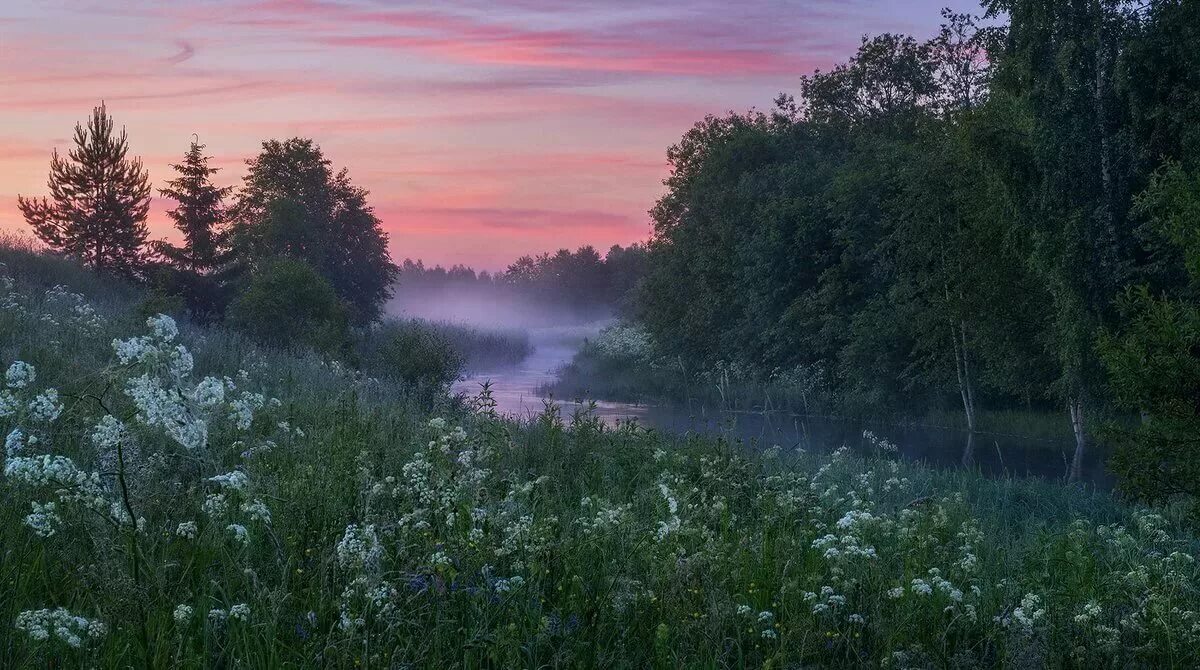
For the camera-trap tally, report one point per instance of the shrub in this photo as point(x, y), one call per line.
point(288, 303)
point(413, 352)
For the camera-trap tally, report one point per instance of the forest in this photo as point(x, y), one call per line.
point(1000, 216)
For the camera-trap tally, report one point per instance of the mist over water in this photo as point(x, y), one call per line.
point(556, 333)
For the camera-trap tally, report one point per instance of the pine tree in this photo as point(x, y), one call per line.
point(200, 214)
point(98, 200)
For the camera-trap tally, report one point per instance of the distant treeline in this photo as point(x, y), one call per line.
point(580, 280)
point(1003, 214)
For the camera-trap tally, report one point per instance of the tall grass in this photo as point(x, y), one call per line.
point(403, 535)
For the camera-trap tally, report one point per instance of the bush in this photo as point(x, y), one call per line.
point(412, 352)
point(288, 303)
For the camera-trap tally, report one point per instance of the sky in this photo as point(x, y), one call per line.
point(483, 130)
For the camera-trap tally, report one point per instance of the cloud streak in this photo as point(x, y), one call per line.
point(483, 128)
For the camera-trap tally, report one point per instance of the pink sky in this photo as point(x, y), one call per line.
point(484, 130)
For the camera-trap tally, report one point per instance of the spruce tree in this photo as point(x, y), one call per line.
point(200, 214)
point(98, 200)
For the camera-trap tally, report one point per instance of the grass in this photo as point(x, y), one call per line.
point(408, 532)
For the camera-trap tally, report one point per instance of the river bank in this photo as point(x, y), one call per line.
point(522, 391)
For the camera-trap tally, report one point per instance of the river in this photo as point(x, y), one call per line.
point(518, 391)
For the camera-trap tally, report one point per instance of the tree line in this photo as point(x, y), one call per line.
point(1006, 215)
point(295, 255)
point(581, 279)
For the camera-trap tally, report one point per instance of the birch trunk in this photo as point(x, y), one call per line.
point(1075, 408)
point(962, 368)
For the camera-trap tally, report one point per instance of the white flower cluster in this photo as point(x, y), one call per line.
point(19, 375)
point(45, 624)
point(66, 308)
point(359, 547)
point(625, 343)
point(163, 394)
point(44, 520)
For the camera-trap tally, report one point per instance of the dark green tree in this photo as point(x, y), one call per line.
point(292, 203)
point(99, 198)
point(287, 303)
point(1153, 356)
point(1071, 176)
point(199, 214)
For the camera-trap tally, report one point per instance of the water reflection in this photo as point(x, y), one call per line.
point(516, 391)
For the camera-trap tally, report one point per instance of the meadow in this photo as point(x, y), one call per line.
point(177, 496)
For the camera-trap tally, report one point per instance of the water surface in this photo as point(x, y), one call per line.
point(518, 391)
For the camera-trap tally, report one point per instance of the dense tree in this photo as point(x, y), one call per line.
point(199, 214)
point(99, 198)
point(1074, 188)
point(292, 203)
point(195, 270)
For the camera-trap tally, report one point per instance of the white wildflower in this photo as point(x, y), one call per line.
point(359, 547)
point(233, 481)
point(183, 614)
point(239, 532)
point(44, 520)
point(45, 406)
point(19, 375)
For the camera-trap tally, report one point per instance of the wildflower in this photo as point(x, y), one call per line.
point(209, 392)
point(215, 504)
point(217, 616)
point(183, 614)
point(235, 481)
point(743, 610)
point(1091, 611)
point(19, 375)
point(187, 529)
point(240, 612)
point(45, 407)
point(8, 404)
point(257, 511)
point(239, 533)
point(108, 433)
point(895, 593)
point(1029, 612)
point(163, 327)
point(921, 588)
point(43, 624)
point(243, 409)
point(359, 547)
point(44, 520)
point(14, 443)
point(509, 585)
point(437, 423)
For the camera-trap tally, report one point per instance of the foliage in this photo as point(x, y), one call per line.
point(199, 214)
point(412, 352)
point(288, 303)
point(935, 222)
point(292, 203)
point(195, 271)
point(98, 200)
point(1153, 360)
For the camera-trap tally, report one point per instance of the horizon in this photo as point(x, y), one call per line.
point(483, 132)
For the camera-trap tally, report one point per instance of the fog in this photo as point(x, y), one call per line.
point(490, 307)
